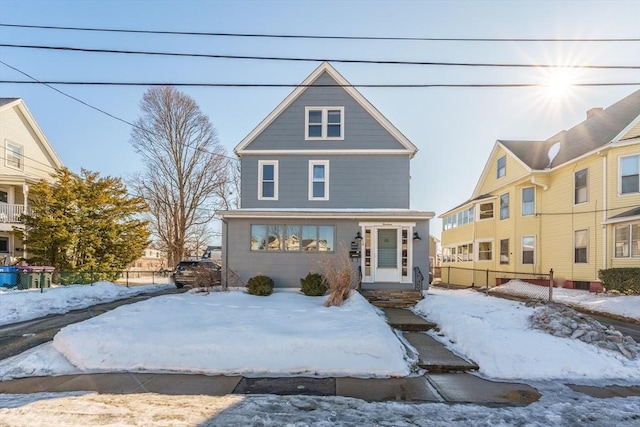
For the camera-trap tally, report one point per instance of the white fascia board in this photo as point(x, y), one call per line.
point(57, 163)
point(354, 214)
point(626, 129)
point(323, 152)
point(357, 96)
point(489, 166)
point(625, 219)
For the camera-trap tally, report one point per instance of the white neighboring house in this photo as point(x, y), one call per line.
point(27, 157)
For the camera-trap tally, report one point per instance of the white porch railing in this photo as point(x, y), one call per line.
point(10, 213)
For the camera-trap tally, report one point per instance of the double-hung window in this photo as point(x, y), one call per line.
point(627, 241)
point(485, 251)
point(528, 249)
point(504, 251)
point(580, 186)
point(629, 174)
point(13, 155)
point(267, 180)
point(581, 241)
point(501, 169)
point(318, 179)
point(528, 201)
point(324, 123)
point(504, 206)
point(486, 210)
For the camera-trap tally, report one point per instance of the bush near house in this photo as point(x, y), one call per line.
point(313, 285)
point(260, 285)
point(625, 280)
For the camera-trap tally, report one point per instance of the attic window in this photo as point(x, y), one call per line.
point(324, 123)
point(13, 155)
point(502, 167)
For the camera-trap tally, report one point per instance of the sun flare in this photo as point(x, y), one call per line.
point(559, 82)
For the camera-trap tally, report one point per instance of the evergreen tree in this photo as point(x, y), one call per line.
point(84, 223)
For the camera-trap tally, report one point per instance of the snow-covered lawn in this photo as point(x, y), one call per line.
point(230, 333)
point(497, 335)
point(20, 305)
point(621, 305)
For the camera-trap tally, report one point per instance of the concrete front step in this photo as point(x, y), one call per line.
point(392, 297)
point(435, 357)
point(405, 320)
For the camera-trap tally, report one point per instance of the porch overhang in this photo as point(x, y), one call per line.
point(356, 214)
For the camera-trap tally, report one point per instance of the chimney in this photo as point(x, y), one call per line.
point(592, 112)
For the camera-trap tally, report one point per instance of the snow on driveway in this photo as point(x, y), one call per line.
point(20, 305)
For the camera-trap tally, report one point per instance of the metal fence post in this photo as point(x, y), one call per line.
point(551, 285)
point(448, 276)
point(42, 282)
point(486, 279)
point(127, 277)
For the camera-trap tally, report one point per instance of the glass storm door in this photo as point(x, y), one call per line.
point(387, 256)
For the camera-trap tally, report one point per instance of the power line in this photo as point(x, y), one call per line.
point(324, 37)
point(294, 85)
point(297, 59)
point(36, 81)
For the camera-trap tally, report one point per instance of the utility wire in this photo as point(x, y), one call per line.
point(297, 59)
point(324, 37)
point(294, 85)
point(36, 81)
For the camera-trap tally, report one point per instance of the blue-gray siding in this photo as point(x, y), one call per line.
point(362, 182)
point(361, 130)
point(286, 268)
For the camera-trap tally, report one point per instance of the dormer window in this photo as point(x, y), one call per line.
point(324, 123)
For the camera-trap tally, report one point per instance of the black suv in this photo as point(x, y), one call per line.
point(187, 270)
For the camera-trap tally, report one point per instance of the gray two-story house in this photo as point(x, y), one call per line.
point(325, 173)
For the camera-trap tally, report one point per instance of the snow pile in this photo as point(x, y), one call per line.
point(563, 321)
point(497, 335)
point(234, 333)
point(621, 305)
point(21, 305)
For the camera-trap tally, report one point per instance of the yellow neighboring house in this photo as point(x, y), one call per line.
point(570, 203)
point(27, 157)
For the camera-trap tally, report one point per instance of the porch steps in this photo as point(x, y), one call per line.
point(395, 298)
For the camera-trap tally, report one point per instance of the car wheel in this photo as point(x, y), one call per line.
point(179, 285)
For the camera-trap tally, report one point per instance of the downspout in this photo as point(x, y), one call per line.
point(225, 248)
point(604, 211)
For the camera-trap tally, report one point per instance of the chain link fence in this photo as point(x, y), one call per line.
point(522, 284)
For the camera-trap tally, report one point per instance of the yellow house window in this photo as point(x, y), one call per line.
point(627, 241)
point(581, 242)
point(501, 167)
point(580, 186)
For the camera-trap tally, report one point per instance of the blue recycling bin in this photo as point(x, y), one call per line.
point(8, 276)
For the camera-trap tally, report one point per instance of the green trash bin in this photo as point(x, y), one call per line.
point(34, 277)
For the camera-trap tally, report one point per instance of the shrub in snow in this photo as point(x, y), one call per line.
point(340, 277)
point(313, 285)
point(260, 285)
point(623, 280)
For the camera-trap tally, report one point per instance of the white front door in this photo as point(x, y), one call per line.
point(387, 255)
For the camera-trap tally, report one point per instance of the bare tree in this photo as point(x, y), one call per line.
point(185, 167)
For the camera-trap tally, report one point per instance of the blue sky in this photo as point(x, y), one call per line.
point(454, 128)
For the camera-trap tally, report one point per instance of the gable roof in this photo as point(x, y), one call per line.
point(8, 103)
point(325, 67)
point(601, 128)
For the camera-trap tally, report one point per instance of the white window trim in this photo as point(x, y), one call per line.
point(275, 179)
point(575, 202)
point(324, 163)
point(324, 124)
point(620, 193)
point(522, 201)
point(493, 211)
point(586, 247)
point(476, 250)
point(629, 226)
point(500, 206)
point(6, 155)
point(522, 250)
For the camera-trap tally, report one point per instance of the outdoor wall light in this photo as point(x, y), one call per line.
point(358, 237)
point(416, 236)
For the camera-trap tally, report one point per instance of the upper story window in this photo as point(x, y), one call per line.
point(13, 155)
point(459, 219)
point(267, 180)
point(629, 174)
point(528, 201)
point(318, 179)
point(486, 210)
point(504, 206)
point(580, 186)
point(324, 123)
point(501, 167)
